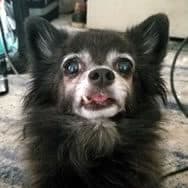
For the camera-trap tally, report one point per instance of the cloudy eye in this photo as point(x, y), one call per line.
point(124, 66)
point(72, 66)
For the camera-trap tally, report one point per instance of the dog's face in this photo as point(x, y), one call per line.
point(98, 84)
point(97, 74)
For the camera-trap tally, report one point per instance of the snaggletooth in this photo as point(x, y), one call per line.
point(85, 99)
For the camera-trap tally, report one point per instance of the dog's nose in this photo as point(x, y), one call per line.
point(101, 77)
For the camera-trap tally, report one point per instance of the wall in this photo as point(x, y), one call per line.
point(119, 14)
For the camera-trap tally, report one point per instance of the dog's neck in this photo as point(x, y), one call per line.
point(96, 138)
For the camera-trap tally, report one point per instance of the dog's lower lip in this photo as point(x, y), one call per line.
point(89, 104)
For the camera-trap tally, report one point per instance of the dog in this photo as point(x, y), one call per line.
point(92, 113)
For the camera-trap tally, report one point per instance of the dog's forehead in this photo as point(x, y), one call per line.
point(98, 44)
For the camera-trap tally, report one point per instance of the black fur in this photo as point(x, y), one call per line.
point(62, 149)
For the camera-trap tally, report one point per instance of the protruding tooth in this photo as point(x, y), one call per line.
point(85, 99)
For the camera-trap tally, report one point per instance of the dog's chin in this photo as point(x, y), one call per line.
point(97, 112)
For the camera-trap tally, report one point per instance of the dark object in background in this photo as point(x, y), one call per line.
point(79, 15)
point(3, 65)
point(48, 9)
point(21, 11)
point(66, 6)
point(3, 77)
point(181, 106)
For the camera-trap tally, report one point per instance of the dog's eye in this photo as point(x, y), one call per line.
point(124, 66)
point(72, 66)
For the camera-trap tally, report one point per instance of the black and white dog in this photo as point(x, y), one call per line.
point(92, 113)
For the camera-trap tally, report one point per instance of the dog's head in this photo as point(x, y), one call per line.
point(95, 73)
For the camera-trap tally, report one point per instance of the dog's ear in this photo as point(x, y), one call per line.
point(41, 38)
point(151, 36)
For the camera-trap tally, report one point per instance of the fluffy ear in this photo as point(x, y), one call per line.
point(151, 36)
point(41, 38)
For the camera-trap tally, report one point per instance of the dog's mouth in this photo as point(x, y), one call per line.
point(97, 101)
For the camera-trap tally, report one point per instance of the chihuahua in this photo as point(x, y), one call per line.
point(92, 113)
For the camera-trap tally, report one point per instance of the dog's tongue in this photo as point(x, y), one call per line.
point(99, 98)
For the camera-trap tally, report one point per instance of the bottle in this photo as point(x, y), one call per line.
point(3, 77)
